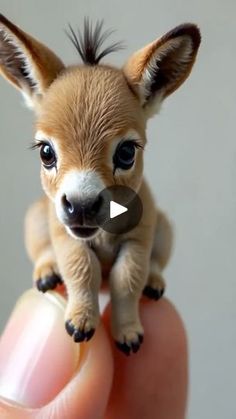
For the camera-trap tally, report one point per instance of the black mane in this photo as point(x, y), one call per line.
point(89, 43)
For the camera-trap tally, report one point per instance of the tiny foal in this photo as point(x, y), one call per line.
point(91, 133)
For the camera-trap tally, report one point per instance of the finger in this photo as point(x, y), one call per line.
point(153, 382)
point(44, 371)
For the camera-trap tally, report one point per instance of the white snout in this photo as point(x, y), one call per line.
point(84, 184)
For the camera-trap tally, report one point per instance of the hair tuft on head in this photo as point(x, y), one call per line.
point(90, 42)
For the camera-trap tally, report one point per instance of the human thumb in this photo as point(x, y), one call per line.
point(43, 373)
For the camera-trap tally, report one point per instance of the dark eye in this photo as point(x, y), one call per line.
point(48, 156)
point(124, 155)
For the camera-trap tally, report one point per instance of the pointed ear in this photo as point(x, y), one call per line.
point(158, 69)
point(26, 63)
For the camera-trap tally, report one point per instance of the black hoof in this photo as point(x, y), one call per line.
point(123, 347)
point(153, 293)
point(48, 283)
point(77, 334)
point(132, 347)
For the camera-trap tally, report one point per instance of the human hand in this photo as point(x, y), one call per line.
point(44, 374)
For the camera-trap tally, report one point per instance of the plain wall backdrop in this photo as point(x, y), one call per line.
point(190, 163)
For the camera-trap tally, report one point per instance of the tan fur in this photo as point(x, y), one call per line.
point(83, 110)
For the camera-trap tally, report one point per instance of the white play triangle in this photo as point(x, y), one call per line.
point(116, 209)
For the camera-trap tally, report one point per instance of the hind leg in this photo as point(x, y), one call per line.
point(160, 255)
point(38, 244)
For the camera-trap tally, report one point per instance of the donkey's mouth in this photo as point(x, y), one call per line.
point(84, 232)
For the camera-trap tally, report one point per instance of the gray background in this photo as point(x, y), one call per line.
point(190, 162)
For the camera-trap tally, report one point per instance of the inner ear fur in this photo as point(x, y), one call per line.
point(26, 63)
point(158, 69)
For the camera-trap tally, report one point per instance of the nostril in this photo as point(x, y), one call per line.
point(68, 206)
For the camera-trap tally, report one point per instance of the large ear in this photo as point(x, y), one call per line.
point(158, 69)
point(26, 63)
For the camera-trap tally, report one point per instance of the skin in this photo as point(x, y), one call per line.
point(153, 383)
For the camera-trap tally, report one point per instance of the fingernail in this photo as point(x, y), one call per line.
point(37, 357)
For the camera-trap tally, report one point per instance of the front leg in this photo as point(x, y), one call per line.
point(39, 247)
point(81, 273)
point(127, 280)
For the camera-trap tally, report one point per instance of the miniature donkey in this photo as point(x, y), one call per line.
point(90, 130)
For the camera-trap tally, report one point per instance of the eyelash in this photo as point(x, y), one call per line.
point(135, 142)
point(38, 144)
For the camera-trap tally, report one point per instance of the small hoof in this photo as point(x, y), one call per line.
point(127, 349)
point(48, 283)
point(77, 334)
point(153, 293)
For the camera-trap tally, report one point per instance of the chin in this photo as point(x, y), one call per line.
point(85, 233)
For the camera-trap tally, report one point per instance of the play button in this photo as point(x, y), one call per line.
point(120, 211)
point(116, 209)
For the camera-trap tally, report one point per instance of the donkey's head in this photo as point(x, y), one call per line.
point(91, 118)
